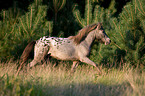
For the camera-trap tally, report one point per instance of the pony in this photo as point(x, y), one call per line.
point(74, 48)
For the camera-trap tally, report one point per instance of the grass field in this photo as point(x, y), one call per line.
point(59, 81)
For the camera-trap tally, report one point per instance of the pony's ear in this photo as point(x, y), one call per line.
point(99, 26)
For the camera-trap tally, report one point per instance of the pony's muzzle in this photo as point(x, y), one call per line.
point(108, 41)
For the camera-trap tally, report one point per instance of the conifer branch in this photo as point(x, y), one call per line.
point(77, 17)
point(121, 33)
point(35, 25)
point(49, 29)
point(131, 14)
point(99, 51)
point(127, 11)
point(4, 15)
point(23, 26)
point(62, 5)
point(115, 24)
point(141, 7)
point(14, 23)
point(13, 28)
point(31, 18)
point(88, 12)
point(27, 21)
point(96, 11)
point(58, 5)
point(135, 6)
point(117, 45)
point(124, 16)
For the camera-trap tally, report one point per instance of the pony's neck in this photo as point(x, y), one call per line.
point(90, 38)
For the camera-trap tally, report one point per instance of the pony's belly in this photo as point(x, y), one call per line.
point(63, 55)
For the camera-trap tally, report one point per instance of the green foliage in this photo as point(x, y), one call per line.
point(94, 13)
point(57, 6)
point(12, 86)
point(16, 32)
point(128, 35)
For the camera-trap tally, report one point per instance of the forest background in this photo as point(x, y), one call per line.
point(123, 20)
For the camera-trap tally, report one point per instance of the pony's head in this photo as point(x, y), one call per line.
point(101, 35)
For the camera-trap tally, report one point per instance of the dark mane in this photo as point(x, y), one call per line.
point(83, 33)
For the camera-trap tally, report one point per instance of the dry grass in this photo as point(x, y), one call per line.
point(59, 81)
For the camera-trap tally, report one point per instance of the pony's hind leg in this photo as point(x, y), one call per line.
point(32, 63)
point(40, 51)
point(74, 66)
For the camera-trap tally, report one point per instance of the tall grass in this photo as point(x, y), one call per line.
point(59, 81)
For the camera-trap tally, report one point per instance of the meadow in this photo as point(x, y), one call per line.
point(49, 80)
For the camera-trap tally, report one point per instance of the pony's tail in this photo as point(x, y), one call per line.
point(25, 55)
point(26, 52)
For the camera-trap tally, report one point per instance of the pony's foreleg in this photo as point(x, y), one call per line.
point(88, 61)
point(74, 66)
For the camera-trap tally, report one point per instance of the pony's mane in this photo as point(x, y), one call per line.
point(83, 33)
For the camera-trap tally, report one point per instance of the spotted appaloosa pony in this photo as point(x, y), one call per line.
point(74, 48)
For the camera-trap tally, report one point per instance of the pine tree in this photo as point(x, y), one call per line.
point(128, 33)
point(57, 6)
point(94, 13)
point(17, 31)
